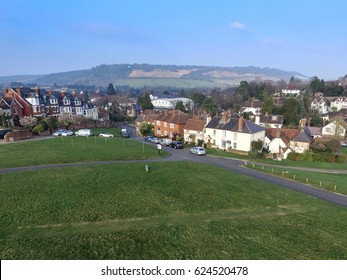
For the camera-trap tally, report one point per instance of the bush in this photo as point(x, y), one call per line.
point(330, 158)
point(307, 156)
point(37, 129)
point(293, 156)
point(341, 159)
point(253, 154)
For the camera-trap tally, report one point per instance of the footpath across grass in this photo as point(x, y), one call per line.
point(74, 149)
point(178, 210)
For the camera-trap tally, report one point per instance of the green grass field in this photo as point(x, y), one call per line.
point(74, 149)
point(327, 181)
point(119, 211)
point(287, 162)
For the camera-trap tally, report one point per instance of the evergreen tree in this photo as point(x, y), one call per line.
point(110, 89)
point(291, 109)
point(180, 106)
point(268, 103)
point(146, 102)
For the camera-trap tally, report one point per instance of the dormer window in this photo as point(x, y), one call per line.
point(66, 101)
point(54, 101)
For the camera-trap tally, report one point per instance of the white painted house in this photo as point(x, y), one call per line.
point(232, 133)
point(334, 129)
point(320, 104)
point(338, 104)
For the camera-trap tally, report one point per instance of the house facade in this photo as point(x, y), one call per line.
point(320, 105)
point(40, 103)
point(170, 124)
point(231, 133)
point(334, 129)
point(338, 104)
point(194, 130)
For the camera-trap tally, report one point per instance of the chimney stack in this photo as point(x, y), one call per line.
point(257, 119)
point(278, 133)
point(224, 117)
point(240, 124)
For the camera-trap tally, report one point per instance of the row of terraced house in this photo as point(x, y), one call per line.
point(24, 101)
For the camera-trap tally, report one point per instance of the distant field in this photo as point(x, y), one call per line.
point(74, 149)
point(161, 82)
point(119, 211)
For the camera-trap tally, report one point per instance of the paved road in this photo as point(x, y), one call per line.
point(227, 164)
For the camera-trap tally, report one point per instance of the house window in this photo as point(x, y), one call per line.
point(172, 125)
point(158, 131)
point(214, 132)
point(223, 144)
point(235, 136)
point(186, 130)
point(224, 133)
point(165, 124)
point(235, 145)
point(158, 122)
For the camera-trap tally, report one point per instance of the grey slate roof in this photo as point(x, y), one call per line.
point(232, 124)
point(302, 137)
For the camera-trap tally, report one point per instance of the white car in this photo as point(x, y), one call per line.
point(105, 134)
point(67, 133)
point(198, 151)
point(59, 132)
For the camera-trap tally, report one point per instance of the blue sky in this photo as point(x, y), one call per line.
point(41, 37)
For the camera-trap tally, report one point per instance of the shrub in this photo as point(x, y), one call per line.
point(307, 156)
point(38, 128)
point(330, 158)
point(253, 154)
point(293, 156)
point(341, 159)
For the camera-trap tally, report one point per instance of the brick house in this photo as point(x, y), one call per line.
point(170, 124)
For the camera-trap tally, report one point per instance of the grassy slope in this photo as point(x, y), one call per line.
point(322, 165)
point(73, 149)
point(120, 212)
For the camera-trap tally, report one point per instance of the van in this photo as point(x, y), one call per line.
point(166, 141)
point(84, 132)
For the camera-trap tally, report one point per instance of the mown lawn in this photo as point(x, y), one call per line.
point(74, 149)
point(287, 162)
point(327, 181)
point(178, 210)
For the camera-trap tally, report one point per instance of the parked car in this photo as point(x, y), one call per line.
point(166, 141)
point(155, 140)
point(84, 132)
point(176, 145)
point(148, 138)
point(67, 133)
point(3, 133)
point(105, 134)
point(125, 134)
point(198, 151)
point(59, 132)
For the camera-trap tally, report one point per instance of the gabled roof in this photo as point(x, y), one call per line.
point(175, 116)
point(302, 137)
point(285, 134)
point(274, 119)
point(251, 104)
point(232, 124)
point(195, 124)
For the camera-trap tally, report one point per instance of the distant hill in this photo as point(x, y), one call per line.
point(139, 75)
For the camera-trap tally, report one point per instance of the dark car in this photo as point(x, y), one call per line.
point(3, 133)
point(125, 134)
point(148, 138)
point(176, 145)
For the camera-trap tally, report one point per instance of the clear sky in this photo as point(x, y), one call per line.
point(42, 36)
